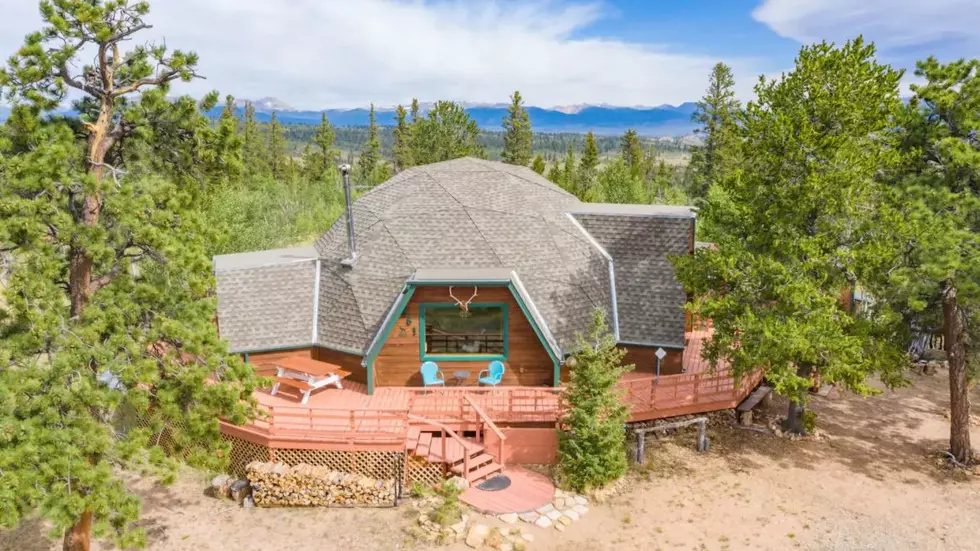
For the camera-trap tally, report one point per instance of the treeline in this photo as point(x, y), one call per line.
point(551, 145)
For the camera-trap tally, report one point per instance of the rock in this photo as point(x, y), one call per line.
point(509, 518)
point(248, 502)
point(581, 500)
point(458, 528)
point(571, 514)
point(239, 490)
point(543, 522)
point(553, 515)
point(459, 482)
point(580, 509)
point(529, 517)
point(564, 519)
point(477, 534)
point(560, 527)
point(527, 536)
point(506, 547)
point(220, 481)
point(545, 509)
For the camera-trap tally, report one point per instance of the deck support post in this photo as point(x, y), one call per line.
point(701, 445)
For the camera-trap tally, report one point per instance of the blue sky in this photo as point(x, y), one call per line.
point(316, 54)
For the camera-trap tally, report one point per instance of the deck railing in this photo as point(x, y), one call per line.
point(444, 434)
point(670, 394)
point(500, 404)
point(335, 425)
point(486, 423)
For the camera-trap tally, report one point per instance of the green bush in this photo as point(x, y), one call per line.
point(592, 444)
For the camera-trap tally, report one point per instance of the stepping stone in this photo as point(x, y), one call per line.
point(545, 509)
point(509, 518)
point(560, 527)
point(543, 522)
point(581, 500)
point(553, 515)
point(528, 537)
point(571, 514)
point(477, 534)
point(580, 509)
point(530, 516)
point(564, 520)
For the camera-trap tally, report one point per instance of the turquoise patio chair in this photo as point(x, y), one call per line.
point(431, 376)
point(494, 374)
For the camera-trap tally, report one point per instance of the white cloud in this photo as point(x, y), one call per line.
point(336, 53)
point(904, 30)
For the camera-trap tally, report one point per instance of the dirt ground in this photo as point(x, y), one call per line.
point(873, 483)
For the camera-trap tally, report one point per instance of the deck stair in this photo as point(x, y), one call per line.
point(429, 446)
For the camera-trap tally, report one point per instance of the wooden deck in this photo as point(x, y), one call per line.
point(349, 418)
point(528, 490)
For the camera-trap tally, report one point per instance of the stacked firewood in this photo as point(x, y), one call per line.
point(279, 485)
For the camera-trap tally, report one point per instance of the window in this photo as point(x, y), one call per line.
point(480, 333)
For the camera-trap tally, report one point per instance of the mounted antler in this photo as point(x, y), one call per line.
point(464, 306)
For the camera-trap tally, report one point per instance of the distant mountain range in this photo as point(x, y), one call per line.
point(663, 120)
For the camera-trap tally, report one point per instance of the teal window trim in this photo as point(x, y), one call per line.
point(463, 357)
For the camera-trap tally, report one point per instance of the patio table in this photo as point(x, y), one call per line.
point(307, 375)
point(459, 377)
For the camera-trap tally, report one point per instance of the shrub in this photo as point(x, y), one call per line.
point(592, 444)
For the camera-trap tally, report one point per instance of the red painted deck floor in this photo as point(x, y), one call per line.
point(528, 490)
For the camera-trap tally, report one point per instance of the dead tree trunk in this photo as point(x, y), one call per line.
point(954, 331)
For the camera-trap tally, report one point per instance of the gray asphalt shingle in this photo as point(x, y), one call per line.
point(461, 215)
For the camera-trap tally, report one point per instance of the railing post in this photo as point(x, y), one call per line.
point(353, 425)
point(445, 460)
point(500, 451)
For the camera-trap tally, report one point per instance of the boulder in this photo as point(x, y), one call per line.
point(477, 535)
point(459, 482)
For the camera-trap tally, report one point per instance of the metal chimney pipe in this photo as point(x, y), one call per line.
point(351, 241)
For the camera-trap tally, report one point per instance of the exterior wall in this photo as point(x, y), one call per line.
point(398, 361)
point(526, 446)
point(645, 360)
point(349, 362)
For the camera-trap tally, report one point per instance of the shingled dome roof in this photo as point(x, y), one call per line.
point(465, 215)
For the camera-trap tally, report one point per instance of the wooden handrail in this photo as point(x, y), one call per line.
point(445, 430)
point(493, 426)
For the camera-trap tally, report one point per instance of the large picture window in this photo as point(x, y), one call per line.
point(480, 333)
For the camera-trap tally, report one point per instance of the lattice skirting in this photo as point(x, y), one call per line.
point(420, 471)
point(383, 465)
point(244, 452)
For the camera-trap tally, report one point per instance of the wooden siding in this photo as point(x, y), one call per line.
point(645, 360)
point(526, 446)
point(350, 362)
point(397, 363)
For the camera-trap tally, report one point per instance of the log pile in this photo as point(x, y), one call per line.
point(279, 485)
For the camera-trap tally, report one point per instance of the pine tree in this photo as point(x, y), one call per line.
point(112, 286)
point(592, 448)
point(319, 158)
point(253, 148)
point(538, 164)
point(229, 164)
point(716, 157)
point(798, 225)
point(447, 132)
point(631, 151)
point(588, 171)
point(415, 113)
point(517, 133)
point(367, 164)
point(569, 175)
point(937, 200)
point(278, 161)
point(403, 140)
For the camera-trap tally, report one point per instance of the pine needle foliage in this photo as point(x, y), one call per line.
point(592, 443)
